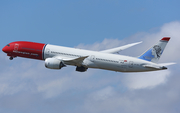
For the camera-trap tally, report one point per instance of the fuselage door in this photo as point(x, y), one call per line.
point(47, 53)
point(92, 58)
point(131, 64)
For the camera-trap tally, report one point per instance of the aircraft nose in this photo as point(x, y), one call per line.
point(5, 49)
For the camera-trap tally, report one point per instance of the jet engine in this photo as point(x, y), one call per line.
point(53, 63)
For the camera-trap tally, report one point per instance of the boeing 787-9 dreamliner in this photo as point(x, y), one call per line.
point(56, 57)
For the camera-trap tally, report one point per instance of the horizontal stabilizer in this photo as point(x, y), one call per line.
point(155, 67)
point(158, 66)
point(167, 64)
point(118, 49)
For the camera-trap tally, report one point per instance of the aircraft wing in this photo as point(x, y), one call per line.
point(73, 61)
point(118, 49)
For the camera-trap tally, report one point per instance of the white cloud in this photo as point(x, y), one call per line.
point(35, 88)
point(55, 87)
point(102, 94)
point(105, 44)
point(146, 80)
point(150, 79)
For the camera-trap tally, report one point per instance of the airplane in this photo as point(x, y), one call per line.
point(56, 57)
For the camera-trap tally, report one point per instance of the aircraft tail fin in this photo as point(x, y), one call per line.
point(155, 52)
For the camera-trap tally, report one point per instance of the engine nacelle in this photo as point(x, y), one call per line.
point(53, 63)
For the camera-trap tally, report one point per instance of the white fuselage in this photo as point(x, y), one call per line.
point(100, 60)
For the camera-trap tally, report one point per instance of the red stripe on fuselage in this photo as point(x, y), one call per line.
point(27, 49)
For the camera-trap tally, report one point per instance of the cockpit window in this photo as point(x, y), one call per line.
point(8, 45)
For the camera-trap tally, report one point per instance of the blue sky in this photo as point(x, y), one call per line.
point(27, 86)
point(72, 22)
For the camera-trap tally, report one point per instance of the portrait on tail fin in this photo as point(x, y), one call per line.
point(156, 52)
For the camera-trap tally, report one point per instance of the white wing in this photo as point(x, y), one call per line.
point(72, 61)
point(118, 49)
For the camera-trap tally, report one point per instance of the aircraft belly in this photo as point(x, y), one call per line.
point(109, 66)
point(121, 67)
